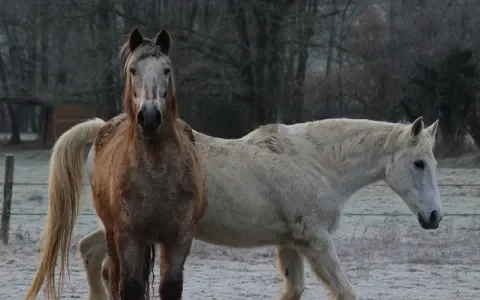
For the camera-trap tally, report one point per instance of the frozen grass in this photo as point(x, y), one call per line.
point(385, 257)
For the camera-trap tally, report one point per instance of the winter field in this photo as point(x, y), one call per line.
point(385, 257)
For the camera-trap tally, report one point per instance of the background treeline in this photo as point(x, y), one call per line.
point(242, 63)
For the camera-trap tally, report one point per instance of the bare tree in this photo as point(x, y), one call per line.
point(253, 62)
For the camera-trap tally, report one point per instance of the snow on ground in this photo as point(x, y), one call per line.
point(385, 257)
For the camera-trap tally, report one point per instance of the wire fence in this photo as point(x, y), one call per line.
point(344, 214)
point(440, 185)
point(371, 185)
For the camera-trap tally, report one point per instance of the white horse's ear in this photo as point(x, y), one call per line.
point(417, 126)
point(432, 129)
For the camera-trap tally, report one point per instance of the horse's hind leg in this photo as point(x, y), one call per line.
point(290, 267)
point(172, 263)
point(105, 270)
point(131, 260)
point(93, 250)
point(320, 253)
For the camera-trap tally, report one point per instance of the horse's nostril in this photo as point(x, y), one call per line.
point(158, 117)
point(433, 216)
point(140, 118)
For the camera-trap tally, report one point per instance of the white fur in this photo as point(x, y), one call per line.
point(286, 186)
point(150, 82)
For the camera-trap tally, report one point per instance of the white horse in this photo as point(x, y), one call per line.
point(286, 186)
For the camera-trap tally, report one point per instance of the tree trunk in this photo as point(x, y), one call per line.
point(44, 47)
point(15, 137)
point(307, 31)
point(250, 75)
point(259, 70)
point(105, 27)
point(330, 52)
point(274, 99)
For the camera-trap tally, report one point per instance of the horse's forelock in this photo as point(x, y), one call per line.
point(401, 133)
point(146, 49)
point(425, 141)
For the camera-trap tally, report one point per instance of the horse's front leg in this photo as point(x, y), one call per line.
point(131, 260)
point(320, 253)
point(113, 266)
point(93, 250)
point(171, 268)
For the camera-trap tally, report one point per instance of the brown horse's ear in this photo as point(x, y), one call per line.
point(135, 39)
point(417, 126)
point(163, 40)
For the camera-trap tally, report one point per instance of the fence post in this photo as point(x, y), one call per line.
point(7, 196)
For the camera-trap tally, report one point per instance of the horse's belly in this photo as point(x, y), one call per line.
point(218, 234)
point(241, 227)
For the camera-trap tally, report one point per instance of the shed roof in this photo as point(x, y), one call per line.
point(32, 101)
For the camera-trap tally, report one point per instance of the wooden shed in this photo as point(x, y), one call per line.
point(66, 116)
point(46, 114)
point(56, 119)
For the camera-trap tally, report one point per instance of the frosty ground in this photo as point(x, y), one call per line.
point(385, 257)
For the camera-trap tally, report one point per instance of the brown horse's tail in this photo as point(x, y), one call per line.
point(65, 186)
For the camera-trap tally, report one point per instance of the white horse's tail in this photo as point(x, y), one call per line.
point(89, 166)
point(65, 186)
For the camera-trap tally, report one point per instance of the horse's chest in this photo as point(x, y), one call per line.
point(152, 198)
point(149, 189)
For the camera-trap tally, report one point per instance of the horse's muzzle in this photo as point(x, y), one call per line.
point(149, 120)
point(432, 223)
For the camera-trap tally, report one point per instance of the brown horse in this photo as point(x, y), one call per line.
point(149, 187)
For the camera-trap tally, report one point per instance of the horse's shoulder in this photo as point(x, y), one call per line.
point(193, 173)
point(187, 140)
point(108, 131)
point(186, 129)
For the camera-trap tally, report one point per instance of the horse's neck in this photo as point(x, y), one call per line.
point(351, 158)
point(167, 134)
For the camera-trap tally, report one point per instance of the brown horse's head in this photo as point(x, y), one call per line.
point(149, 98)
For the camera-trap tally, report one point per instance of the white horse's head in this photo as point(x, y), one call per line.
point(411, 172)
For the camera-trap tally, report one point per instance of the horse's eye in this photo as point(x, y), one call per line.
point(166, 71)
point(132, 70)
point(419, 164)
